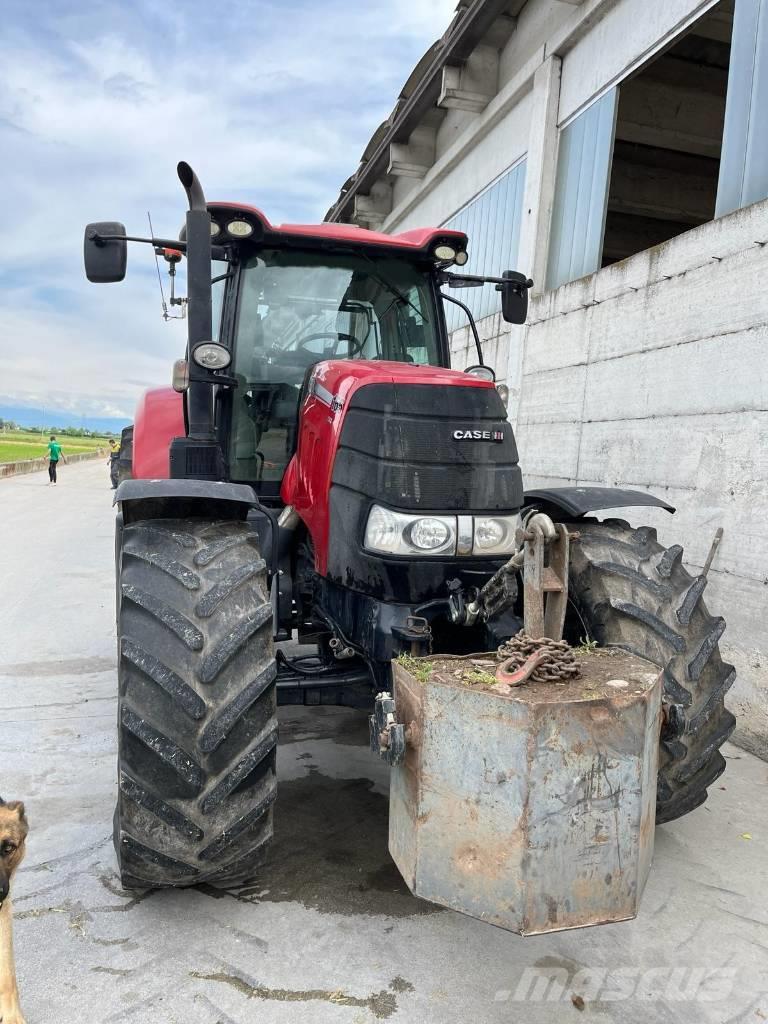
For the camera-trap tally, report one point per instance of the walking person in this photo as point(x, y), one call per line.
point(54, 454)
point(113, 461)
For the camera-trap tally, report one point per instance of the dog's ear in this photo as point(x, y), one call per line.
point(18, 806)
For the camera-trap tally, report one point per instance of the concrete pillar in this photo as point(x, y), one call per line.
point(539, 194)
point(540, 172)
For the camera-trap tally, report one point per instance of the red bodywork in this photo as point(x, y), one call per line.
point(159, 418)
point(417, 240)
point(307, 480)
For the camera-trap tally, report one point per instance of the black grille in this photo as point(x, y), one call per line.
point(397, 446)
point(196, 460)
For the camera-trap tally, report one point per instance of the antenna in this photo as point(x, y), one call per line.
point(172, 257)
point(159, 276)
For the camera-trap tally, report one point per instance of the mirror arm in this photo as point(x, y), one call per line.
point(218, 252)
point(163, 243)
point(472, 324)
point(468, 280)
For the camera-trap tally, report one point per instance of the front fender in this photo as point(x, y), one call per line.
point(577, 501)
point(180, 499)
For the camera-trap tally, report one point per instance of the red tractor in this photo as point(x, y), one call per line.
point(321, 474)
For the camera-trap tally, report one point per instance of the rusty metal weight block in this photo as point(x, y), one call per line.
point(534, 812)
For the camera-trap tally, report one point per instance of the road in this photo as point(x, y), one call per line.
point(330, 933)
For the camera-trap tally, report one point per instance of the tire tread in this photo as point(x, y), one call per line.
point(196, 702)
point(635, 594)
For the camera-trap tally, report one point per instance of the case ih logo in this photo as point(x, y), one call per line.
point(478, 435)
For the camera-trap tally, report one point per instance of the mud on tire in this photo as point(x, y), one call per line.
point(196, 707)
point(626, 590)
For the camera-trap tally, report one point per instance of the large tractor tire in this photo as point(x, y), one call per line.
point(627, 591)
point(197, 706)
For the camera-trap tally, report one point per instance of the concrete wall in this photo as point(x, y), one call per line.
point(652, 373)
point(35, 465)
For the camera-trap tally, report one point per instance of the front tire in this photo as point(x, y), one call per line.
point(628, 591)
point(196, 706)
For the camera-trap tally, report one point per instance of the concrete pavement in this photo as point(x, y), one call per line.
point(329, 933)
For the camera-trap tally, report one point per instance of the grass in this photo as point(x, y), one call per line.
point(477, 677)
point(18, 445)
point(419, 668)
point(586, 646)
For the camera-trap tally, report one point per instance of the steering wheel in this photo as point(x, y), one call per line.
point(356, 345)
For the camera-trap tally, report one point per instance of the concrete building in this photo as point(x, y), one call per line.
point(616, 151)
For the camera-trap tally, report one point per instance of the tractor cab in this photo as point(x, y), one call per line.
point(296, 308)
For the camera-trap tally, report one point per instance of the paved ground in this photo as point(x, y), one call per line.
point(330, 933)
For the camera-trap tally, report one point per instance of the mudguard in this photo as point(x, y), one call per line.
point(178, 499)
point(577, 501)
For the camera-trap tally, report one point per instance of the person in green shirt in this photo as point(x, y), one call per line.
point(54, 454)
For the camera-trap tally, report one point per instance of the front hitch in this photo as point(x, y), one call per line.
point(543, 557)
point(387, 734)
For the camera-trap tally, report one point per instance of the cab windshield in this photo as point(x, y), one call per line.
point(299, 308)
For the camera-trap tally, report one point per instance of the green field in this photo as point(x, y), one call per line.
point(18, 445)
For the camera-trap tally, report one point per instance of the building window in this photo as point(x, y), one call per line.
point(491, 222)
point(669, 136)
point(578, 214)
point(682, 140)
point(744, 164)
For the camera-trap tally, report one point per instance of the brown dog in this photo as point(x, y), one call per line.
point(13, 833)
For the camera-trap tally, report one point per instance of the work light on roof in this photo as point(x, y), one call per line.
point(445, 252)
point(461, 258)
point(239, 228)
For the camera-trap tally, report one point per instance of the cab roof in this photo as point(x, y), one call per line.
point(418, 240)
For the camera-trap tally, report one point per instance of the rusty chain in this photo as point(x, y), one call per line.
point(558, 662)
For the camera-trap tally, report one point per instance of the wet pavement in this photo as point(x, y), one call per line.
point(327, 932)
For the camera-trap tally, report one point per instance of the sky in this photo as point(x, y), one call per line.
point(271, 101)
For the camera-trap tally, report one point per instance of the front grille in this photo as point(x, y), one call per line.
point(397, 446)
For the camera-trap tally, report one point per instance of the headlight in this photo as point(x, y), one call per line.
point(495, 535)
point(212, 356)
point(483, 372)
point(429, 533)
point(239, 228)
point(396, 533)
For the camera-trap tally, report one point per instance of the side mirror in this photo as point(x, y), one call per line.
point(514, 296)
point(104, 254)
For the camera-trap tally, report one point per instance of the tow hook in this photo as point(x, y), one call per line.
point(417, 633)
point(387, 734)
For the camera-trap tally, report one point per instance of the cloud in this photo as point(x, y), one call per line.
point(272, 101)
